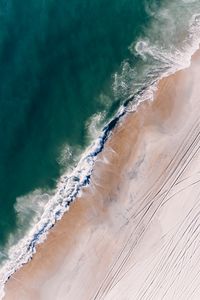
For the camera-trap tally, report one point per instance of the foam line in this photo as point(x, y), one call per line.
point(70, 185)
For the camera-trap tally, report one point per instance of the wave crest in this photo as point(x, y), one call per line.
point(135, 83)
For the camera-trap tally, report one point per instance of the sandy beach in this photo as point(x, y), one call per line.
point(134, 233)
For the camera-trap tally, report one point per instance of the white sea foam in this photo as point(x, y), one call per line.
point(105, 100)
point(189, 1)
point(94, 125)
point(138, 84)
point(167, 46)
point(68, 188)
point(29, 210)
point(66, 154)
point(30, 207)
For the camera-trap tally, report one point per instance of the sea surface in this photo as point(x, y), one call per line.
point(69, 70)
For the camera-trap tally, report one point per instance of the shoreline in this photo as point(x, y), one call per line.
point(127, 146)
point(160, 49)
point(69, 188)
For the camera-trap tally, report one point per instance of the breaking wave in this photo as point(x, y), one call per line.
point(135, 82)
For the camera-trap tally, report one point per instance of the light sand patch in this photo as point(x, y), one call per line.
point(135, 232)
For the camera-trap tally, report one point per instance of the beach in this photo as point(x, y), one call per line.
point(134, 232)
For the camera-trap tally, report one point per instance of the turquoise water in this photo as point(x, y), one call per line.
point(56, 58)
point(66, 67)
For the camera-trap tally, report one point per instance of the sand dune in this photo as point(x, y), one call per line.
point(135, 232)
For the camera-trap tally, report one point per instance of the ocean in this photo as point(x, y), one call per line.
point(57, 60)
point(69, 71)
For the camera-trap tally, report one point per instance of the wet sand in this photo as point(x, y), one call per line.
point(135, 232)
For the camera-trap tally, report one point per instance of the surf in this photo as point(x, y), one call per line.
point(133, 83)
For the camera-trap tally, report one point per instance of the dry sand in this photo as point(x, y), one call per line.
point(135, 232)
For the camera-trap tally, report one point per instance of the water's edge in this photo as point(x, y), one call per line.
point(70, 185)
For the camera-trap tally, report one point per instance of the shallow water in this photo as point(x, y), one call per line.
point(57, 60)
point(66, 68)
